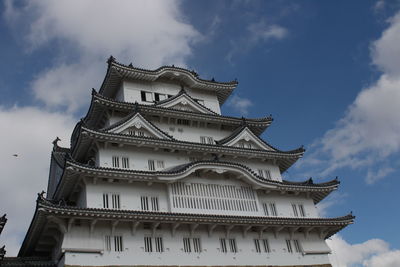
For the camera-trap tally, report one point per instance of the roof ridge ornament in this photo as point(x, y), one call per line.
point(110, 60)
point(55, 143)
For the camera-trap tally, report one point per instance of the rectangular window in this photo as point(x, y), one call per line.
point(159, 244)
point(125, 163)
point(207, 140)
point(295, 213)
point(265, 208)
point(257, 245)
point(151, 165)
point(289, 246)
point(297, 246)
point(148, 244)
point(232, 245)
point(144, 201)
point(222, 242)
point(196, 245)
point(146, 96)
point(105, 200)
point(115, 162)
point(115, 201)
point(186, 245)
point(107, 239)
point(203, 139)
point(273, 209)
point(113, 243)
point(154, 204)
point(111, 200)
point(266, 246)
point(160, 164)
point(159, 97)
point(260, 173)
point(118, 246)
point(302, 211)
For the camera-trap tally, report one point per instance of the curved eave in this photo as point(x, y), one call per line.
point(100, 103)
point(331, 225)
point(117, 72)
point(86, 137)
point(74, 170)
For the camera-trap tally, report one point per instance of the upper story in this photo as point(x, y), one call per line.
point(130, 84)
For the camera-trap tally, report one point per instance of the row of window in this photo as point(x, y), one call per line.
point(206, 197)
point(155, 97)
point(123, 163)
point(193, 244)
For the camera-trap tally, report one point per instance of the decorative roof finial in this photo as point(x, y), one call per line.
point(136, 108)
point(55, 145)
point(41, 195)
point(110, 59)
point(212, 79)
point(130, 65)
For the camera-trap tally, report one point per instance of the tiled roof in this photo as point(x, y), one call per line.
point(116, 72)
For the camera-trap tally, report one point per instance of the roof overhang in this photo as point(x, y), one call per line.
point(118, 72)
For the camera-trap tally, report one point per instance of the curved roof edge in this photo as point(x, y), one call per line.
point(245, 126)
point(223, 89)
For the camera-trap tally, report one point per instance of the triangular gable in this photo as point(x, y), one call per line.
point(246, 139)
point(136, 125)
point(184, 102)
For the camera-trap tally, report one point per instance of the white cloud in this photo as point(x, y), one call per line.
point(261, 31)
point(149, 33)
point(388, 259)
point(371, 253)
point(369, 132)
point(27, 132)
point(240, 104)
point(256, 33)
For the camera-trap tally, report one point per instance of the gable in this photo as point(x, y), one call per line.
point(184, 102)
point(247, 139)
point(136, 125)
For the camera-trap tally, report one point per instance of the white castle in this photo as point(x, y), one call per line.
point(156, 176)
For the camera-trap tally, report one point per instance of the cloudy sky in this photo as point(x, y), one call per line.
point(328, 72)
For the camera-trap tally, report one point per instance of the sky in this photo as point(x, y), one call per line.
point(327, 71)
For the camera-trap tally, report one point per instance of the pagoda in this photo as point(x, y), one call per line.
point(155, 175)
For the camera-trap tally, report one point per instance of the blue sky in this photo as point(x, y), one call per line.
point(328, 72)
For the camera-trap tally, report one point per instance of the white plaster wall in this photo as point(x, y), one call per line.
point(131, 92)
point(134, 254)
point(129, 194)
point(284, 203)
point(138, 158)
point(191, 134)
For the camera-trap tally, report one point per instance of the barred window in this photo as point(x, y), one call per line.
point(144, 202)
point(297, 246)
point(111, 200)
point(159, 244)
point(125, 162)
point(289, 246)
point(266, 246)
point(232, 245)
point(269, 209)
point(154, 204)
point(186, 245)
point(191, 245)
point(113, 243)
point(115, 162)
point(148, 244)
point(151, 165)
point(222, 242)
point(257, 245)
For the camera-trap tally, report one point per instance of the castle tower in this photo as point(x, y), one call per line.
point(156, 176)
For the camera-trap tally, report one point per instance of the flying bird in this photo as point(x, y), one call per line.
point(15, 155)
